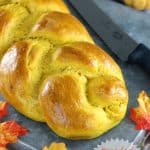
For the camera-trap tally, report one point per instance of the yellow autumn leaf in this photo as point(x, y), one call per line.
point(55, 146)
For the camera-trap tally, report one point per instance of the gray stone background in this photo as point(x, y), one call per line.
point(135, 23)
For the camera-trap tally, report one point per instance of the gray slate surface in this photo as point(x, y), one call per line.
point(137, 25)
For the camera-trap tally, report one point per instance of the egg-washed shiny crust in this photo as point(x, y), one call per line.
point(53, 71)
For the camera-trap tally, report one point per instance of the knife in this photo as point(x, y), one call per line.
point(127, 49)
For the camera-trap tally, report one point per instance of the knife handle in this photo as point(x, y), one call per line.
point(141, 56)
point(121, 1)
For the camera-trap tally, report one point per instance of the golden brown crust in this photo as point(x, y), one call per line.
point(40, 5)
point(11, 68)
point(12, 17)
point(19, 80)
point(57, 74)
point(44, 5)
point(5, 17)
point(52, 26)
point(88, 57)
point(92, 80)
point(64, 108)
point(106, 90)
point(2, 2)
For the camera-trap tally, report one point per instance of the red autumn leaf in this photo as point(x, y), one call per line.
point(9, 132)
point(141, 114)
point(3, 109)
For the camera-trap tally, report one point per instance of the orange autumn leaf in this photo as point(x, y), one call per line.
point(3, 148)
point(141, 114)
point(3, 109)
point(56, 146)
point(9, 132)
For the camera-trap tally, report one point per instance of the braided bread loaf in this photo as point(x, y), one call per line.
point(52, 71)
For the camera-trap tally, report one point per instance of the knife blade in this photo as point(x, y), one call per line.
point(113, 36)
